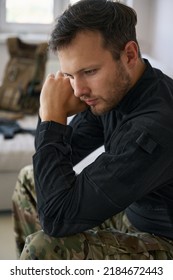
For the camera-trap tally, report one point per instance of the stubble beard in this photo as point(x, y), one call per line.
point(119, 89)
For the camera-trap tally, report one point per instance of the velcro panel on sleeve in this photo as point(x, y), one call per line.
point(145, 142)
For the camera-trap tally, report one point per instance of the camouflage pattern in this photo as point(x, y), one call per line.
point(115, 239)
point(25, 216)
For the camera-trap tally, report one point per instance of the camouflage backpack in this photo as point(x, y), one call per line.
point(23, 77)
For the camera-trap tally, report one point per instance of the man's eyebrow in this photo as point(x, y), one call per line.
point(82, 69)
point(78, 71)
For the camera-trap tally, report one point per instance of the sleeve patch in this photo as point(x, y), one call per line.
point(145, 142)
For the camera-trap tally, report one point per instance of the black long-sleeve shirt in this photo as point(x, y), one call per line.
point(135, 173)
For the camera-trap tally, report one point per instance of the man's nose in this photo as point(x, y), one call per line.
point(79, 87)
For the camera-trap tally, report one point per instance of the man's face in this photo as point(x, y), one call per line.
point(95, 76)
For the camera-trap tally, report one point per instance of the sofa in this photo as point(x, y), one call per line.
point(15, 153)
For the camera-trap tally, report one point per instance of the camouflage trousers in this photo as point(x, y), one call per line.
point(115, 239)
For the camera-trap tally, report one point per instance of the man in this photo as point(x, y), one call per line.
point(120, 206)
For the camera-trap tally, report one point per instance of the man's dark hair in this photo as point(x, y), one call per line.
point(115, 21)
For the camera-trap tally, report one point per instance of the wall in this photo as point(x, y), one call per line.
point(144, 11)
point(162, 35)
point(154, 31)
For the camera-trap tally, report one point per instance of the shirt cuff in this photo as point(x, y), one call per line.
point(50, 131)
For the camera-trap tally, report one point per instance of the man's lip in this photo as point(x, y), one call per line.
point(91, 102)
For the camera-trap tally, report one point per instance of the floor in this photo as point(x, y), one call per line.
point(7, 242)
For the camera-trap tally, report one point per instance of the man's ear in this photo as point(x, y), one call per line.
point(131, 51)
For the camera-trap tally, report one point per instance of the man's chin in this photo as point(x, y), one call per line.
point(99, 111)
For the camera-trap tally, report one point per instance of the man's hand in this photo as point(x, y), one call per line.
point(57, 100)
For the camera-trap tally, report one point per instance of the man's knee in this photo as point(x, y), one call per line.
point(35, 247)
point(40, 246)
point(26, 176)
point(25, 185)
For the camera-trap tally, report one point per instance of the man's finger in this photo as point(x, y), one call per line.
point(59, 75)
point(51, 75)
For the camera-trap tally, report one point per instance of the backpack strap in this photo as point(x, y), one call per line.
point(19, 48)
point(13, 46)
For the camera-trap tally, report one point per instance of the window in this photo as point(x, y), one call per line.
point(31, 16)
point(73, 1)
point(127, 2)
point(31, 11)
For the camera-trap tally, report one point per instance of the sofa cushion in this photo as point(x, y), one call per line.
point(17, 152)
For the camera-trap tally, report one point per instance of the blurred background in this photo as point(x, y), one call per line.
point(31, 21)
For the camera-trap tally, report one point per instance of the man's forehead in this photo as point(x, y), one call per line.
point(85, 39)
point(87, 47)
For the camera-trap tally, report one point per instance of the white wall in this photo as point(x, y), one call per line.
point(162, 47)
point(144, 11)
point(154, 31)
